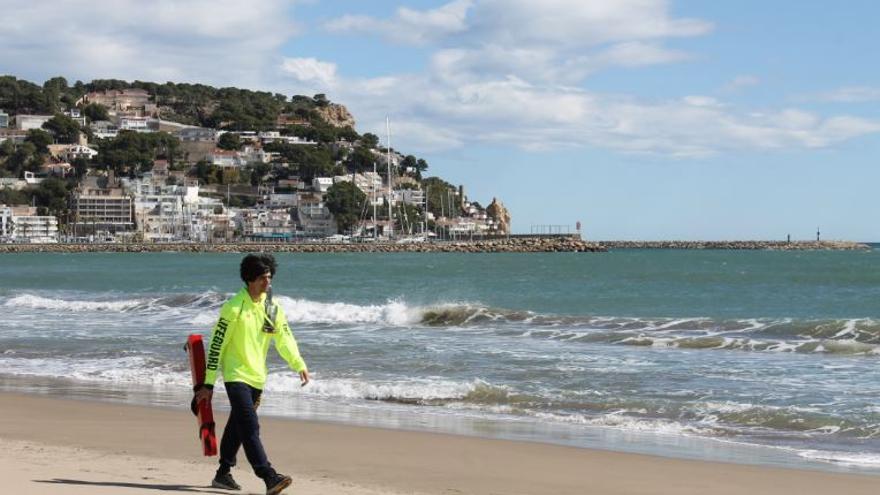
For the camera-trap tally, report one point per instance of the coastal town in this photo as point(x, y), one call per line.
point(140, 167)
point(110, 167)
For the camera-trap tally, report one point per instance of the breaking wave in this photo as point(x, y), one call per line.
point(856, 336)
point(107, 304)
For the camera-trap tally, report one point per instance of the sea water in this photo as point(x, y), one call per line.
point(757, 357)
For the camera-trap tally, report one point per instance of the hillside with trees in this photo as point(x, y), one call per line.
point(314, 137)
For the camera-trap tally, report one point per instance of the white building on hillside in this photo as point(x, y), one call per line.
point(321, 184)
point(104, 129)
point(413, 197)
point(28, 122)
point(71, 152)
point(164, 212)
point(226, 159)
point(315, 220)
point(276, 137)
point(22, 224)
point(197, 134)
point(103, 204)
point(137, 124)
point(5, 223)
point(266, 224)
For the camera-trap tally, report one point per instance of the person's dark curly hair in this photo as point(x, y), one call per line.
point(255, 265)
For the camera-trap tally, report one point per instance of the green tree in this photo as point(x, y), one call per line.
point(229, 141)
point(12, 197)
point(53, 90)
point(65, 129)
point(259, 172)
point(409, 161)
point(347, 133)
point(52, 194)
point(345, 201)
point(21, 97)
point(361, 159)
point(321, 100)
point(419, 165)
point(95, 111)
point(306, 161)
point(7, 148)
point(80, 166)
point(135, 151)
point(441, 195)
point(370, 140)
point(21, 159)
point(40, 139)
point(408, 217)
point(207, 172)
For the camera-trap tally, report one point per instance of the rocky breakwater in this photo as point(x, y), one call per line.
point(485, 246)
point(739, 245)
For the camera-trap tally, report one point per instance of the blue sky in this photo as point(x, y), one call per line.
point(644, 119)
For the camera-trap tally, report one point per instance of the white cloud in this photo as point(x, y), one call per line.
point(636, 54)
point(852, 94)
point(502, 72)
point(432, 112)
point(408, 25)
point(553, 41)
point(512, 72)
point(311, 71)
point(740, 82)
point(535, 63)
point(224, 42)
point(578, 23)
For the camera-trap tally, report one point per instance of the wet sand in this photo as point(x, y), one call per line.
point(56, 446)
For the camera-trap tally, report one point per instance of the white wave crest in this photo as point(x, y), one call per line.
point(619, 421)
point(347, 388)
point(844, 458)
point(38, 302)
point(204, 319)
point(139, 370)
point(395, 313)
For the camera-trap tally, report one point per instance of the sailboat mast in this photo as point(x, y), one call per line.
point(373, 190)
point(388, 160)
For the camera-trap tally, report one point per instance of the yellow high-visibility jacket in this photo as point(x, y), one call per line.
point(238, 345)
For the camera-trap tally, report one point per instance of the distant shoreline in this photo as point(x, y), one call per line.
point(739, 245)
point(526, 244)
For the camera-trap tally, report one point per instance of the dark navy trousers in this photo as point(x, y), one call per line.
point(243, 430)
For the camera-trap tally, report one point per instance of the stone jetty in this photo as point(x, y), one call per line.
point(739, 245)
point(512, 245)
point(524, 244)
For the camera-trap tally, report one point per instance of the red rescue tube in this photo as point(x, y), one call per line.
point(203, 411)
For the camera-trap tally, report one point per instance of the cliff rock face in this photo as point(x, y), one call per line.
point(499, 213)
point(336, 115)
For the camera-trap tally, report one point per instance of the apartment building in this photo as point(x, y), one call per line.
point(22, 224)
point(102, 204)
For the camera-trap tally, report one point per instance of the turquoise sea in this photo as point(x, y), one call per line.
point(743, 356)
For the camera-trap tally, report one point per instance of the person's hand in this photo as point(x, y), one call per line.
point(304, 377)
point(204, 393)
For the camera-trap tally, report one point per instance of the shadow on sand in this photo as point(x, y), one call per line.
point(142, 486)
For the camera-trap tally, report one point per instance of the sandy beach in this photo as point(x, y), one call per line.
point(68, 446)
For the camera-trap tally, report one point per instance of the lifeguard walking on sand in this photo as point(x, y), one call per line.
point(238, 347)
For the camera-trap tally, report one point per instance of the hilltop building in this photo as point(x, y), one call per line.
point(134, 101)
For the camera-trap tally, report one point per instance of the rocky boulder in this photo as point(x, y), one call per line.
point(336, 115)
point(496, 211)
